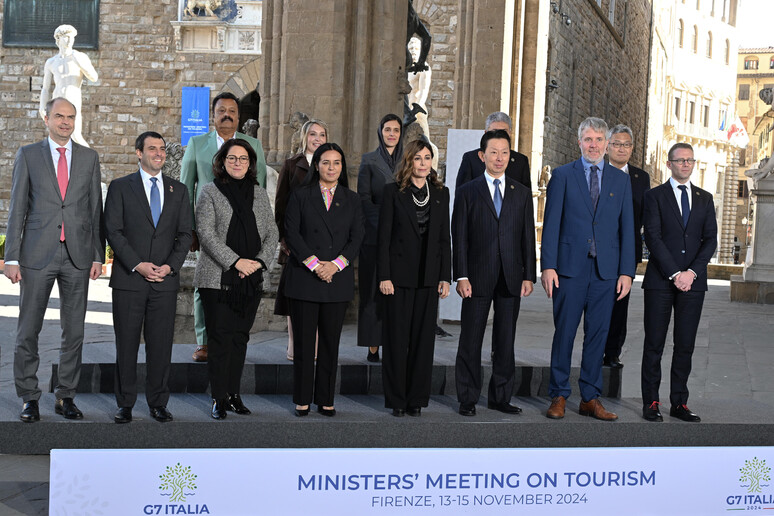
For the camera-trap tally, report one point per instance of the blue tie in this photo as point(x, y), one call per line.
point(498, 197)
point(685, 204)
point(594, 188)
point(155, 203)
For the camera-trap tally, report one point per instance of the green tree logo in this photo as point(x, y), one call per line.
point(754, 471)
point(177, 479)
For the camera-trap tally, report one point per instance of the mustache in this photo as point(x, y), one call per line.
point(227, 117)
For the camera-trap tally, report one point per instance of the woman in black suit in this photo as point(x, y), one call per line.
point(377, 169)
point(313, 134)
point(323, 230)
point(414, 270)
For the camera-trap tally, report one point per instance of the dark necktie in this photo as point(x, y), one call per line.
point(594, 188)
point(685, 204)
point(155, 202)
point(498, 197)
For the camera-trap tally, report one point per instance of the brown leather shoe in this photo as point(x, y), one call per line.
point(200, 355)
point(556, 410)
point(595, 409)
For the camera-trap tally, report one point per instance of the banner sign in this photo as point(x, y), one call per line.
point(593, 481)
point(194, 113)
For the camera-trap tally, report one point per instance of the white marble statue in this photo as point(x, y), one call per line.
point(420, 85)
point(68, 69)
point(764, 170)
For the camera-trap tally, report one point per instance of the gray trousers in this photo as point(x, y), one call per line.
point(36, 288)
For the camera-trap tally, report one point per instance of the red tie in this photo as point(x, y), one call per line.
point(61, 178)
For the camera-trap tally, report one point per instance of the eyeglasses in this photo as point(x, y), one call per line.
point(233, 159)
point(682, 161)
point(619, 145)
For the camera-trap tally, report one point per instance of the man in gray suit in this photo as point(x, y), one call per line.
point(53, 234)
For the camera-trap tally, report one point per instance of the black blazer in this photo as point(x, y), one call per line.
point(400, 246)
point(290, 177)
point(472, 167)
point(130, 231)
point(672, 247)
point(482, 244)
point(371, 178)
point(311, 230)
point(640, 184)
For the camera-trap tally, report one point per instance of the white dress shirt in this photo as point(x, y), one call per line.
point(55, 154)
point(679, 194)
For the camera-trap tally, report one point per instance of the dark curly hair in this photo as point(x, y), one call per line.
point(406, 167)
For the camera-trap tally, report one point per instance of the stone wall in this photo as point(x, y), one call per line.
point(139, 88)
point(601, 69)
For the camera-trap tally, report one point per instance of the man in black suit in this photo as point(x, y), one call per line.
point(493, 232)
point(148, 226)
point(619, 150)
point(681, 234)
point(472, 165)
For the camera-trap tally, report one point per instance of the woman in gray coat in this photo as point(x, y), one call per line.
point(238, 238)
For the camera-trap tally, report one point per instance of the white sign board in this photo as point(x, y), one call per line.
point(574, 481)
point(459, 141)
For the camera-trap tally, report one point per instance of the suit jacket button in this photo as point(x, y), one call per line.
point(683, 251)
point(63, 206)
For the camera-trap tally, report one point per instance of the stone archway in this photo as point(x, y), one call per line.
point(244, 84)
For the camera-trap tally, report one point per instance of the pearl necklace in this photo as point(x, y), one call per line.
point(419, 203)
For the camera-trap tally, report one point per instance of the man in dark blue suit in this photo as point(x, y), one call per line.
point(493, 234)
point(681, 234)
point(588, 243)
point(517, 166)
point(619, 150)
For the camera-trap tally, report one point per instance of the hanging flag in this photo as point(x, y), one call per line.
point(723, 122)
point(737, 135)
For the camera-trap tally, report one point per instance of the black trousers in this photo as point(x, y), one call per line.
point(310, 319)
point(658, 310)
point(227, 336)
point(152, 313)
point(408, 344)
point(475, 311)
point(369, 313)
point(616, 335)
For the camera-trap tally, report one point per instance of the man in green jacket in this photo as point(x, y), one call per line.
point(196, 171)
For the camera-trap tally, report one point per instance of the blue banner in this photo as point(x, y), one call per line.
point(194, 113)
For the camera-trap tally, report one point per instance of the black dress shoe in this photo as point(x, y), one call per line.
point(235, 404)
point(414, 411)
point(398, 412)
point(373, 357)
point(302, 412)
point(123, 415)
point(612, 362)
point(684, 413)
point(30, 412)
point(467, 409)
point(505, 408)
point(66, 407)
point(219, 409)
point(160, 414)
point(440, 332)
point(326, 412)
point(651, 412)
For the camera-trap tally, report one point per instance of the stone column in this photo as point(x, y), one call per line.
point(728, 222)
point(759, 265)
point(479, 51)
point(337, 60)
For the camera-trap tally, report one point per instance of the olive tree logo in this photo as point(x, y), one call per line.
point(754, 471)
point(177, 478)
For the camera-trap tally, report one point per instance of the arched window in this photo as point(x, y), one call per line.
point(695, 40)
point(709, 45)
point(728, 52)
point(750, 63)
point(680, 33)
